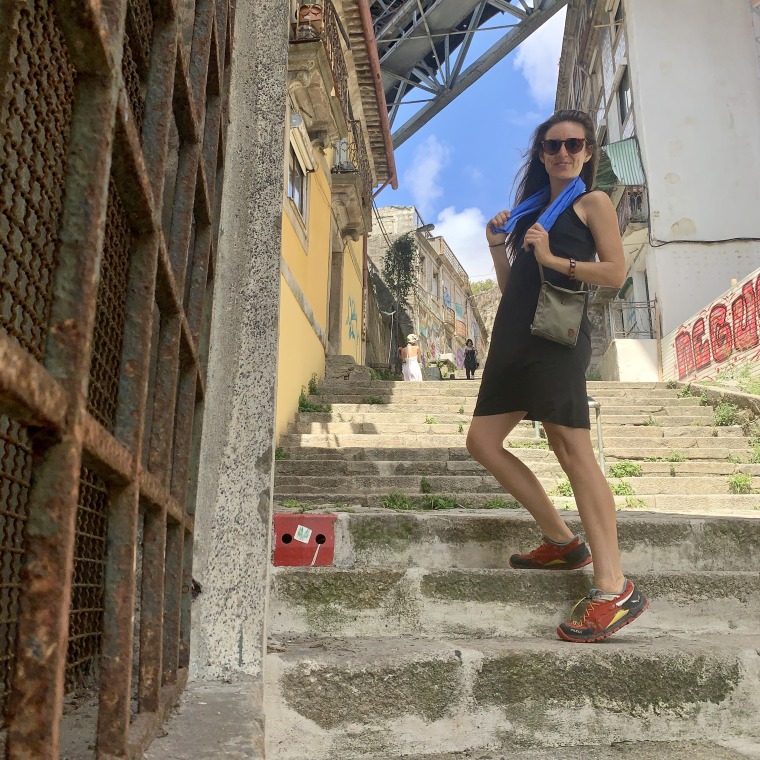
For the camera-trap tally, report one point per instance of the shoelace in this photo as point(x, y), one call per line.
point(590, 602)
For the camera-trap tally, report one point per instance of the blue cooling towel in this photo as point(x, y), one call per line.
point(539, 200)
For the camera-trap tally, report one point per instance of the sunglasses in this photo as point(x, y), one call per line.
point(572, 144)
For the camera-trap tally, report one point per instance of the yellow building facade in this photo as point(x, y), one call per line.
point(337, 150)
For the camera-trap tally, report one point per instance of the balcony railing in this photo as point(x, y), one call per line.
point(351, 158)
point(633, 207)
point(319, 21)
point(632, 319)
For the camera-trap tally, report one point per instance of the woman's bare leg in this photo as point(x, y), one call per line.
point(596, 504)
point(485, 442)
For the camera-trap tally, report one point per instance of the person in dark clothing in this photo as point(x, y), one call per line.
point(470, 359)
point(530, 377)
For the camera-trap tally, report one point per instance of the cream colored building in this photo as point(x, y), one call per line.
point(441, 310)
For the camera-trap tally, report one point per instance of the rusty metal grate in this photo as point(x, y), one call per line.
point(142, 334)
point(86, 615)
point(15, 475)
point(108, 338)
point(35, 122)
point(138, 41)
point(133, 84)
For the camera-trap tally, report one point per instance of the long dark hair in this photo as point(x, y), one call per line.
point(533, 175)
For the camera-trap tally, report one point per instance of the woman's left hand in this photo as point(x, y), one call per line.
point(538, 238)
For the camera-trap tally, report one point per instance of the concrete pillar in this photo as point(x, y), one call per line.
point(234, 505)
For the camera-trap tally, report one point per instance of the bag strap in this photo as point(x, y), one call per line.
point(583, 289)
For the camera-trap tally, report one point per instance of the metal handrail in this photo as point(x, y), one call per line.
point(632, 319)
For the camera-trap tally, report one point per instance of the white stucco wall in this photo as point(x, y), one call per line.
point(685, 277)
point(696, 92)
point(630, 360)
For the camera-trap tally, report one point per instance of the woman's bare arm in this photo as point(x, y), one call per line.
point(597, 212)
point(497, 245)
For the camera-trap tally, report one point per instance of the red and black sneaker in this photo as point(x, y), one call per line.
point(604, 614)
point(551, 556)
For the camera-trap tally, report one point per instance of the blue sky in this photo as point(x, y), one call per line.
point(458, 169)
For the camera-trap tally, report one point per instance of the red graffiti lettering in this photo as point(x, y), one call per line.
point(721, 342)
point(701, 346)
point(684, 355)
point(744, 318)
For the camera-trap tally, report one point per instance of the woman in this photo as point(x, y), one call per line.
point(470, 359)
point(528, 377)
point(410, 355)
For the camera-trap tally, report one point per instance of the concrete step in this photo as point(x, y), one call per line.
point(649, 542)
point(547, 467)
point(363, 698)
point(470, 387)
point(699, 504)
point(458, 453)
point(727, 749)
point(444, 438)
point(452, 407)
point(416, 417)
point(457, 397)
point(440, 427)
point(379, 602)
point(411, 484)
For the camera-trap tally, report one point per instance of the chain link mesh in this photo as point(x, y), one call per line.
point(108, 335)
point(138, 41)
point(86, 612)
point(15, 475)
point(35, 122)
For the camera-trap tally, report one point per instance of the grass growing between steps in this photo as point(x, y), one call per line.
point(625, 470)
point(739, 483)
point(402, 502)
point(430, 502)
point(304, 405)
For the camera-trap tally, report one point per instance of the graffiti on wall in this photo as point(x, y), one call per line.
point(724, 332)
point(352, 320)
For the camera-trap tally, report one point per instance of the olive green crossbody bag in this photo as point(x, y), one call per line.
point(558, 313)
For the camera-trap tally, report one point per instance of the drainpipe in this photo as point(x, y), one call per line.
point(374, 62)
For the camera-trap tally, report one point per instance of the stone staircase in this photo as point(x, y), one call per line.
point(420, 641)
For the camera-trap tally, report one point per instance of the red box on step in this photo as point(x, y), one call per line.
point(304, 540)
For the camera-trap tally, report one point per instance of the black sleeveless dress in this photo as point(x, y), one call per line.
point(531, 374)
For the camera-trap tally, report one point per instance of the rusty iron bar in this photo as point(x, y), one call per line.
point(37, 701)
point(173, 573)
point(151, 610)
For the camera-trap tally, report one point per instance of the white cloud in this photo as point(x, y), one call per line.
point(422, 176)
point(538, 59)
point(464, 232)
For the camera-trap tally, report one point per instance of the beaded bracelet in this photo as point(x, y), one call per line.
point(571, 275)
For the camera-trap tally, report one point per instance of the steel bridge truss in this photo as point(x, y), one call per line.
point(423, 46)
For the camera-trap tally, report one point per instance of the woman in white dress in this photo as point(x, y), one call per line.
point(410, 356)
